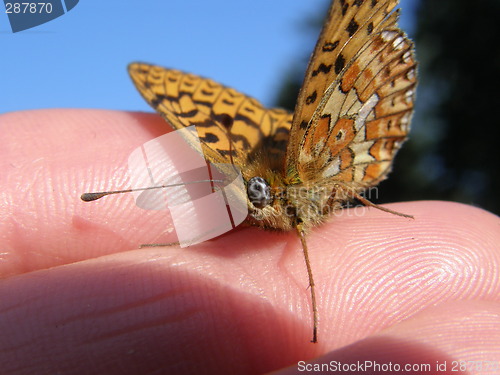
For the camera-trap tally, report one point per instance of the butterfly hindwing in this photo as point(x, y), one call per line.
point(348, 25)
point(363, 116)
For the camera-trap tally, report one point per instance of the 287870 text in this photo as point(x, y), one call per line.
point(28, 7)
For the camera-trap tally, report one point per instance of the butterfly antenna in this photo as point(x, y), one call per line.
point(89, 197)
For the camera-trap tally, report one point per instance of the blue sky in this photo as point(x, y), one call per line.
point(79, 59)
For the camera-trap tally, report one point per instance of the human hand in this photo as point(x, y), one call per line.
point(78, 297)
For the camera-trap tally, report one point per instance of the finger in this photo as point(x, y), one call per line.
point(48, 159)
point(97, 234)
point(455, 338)
point(374, 270)
point(152, 302)
point(115, 314)
point(280, 267)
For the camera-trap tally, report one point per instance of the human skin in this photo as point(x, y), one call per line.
point(78, 296)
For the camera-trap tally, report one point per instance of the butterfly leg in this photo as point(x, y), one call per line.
point(302, 236)
point(366, 202)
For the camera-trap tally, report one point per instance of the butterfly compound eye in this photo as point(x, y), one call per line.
point(259, 192)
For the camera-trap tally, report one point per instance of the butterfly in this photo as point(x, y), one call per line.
point(352, 115)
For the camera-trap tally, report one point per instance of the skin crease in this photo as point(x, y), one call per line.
point(77, 296)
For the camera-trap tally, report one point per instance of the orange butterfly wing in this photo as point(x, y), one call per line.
point(355, 106)
point(186, 99)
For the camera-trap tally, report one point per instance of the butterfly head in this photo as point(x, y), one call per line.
point(259, 192)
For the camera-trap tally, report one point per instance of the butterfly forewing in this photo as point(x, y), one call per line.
point(216, 110)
